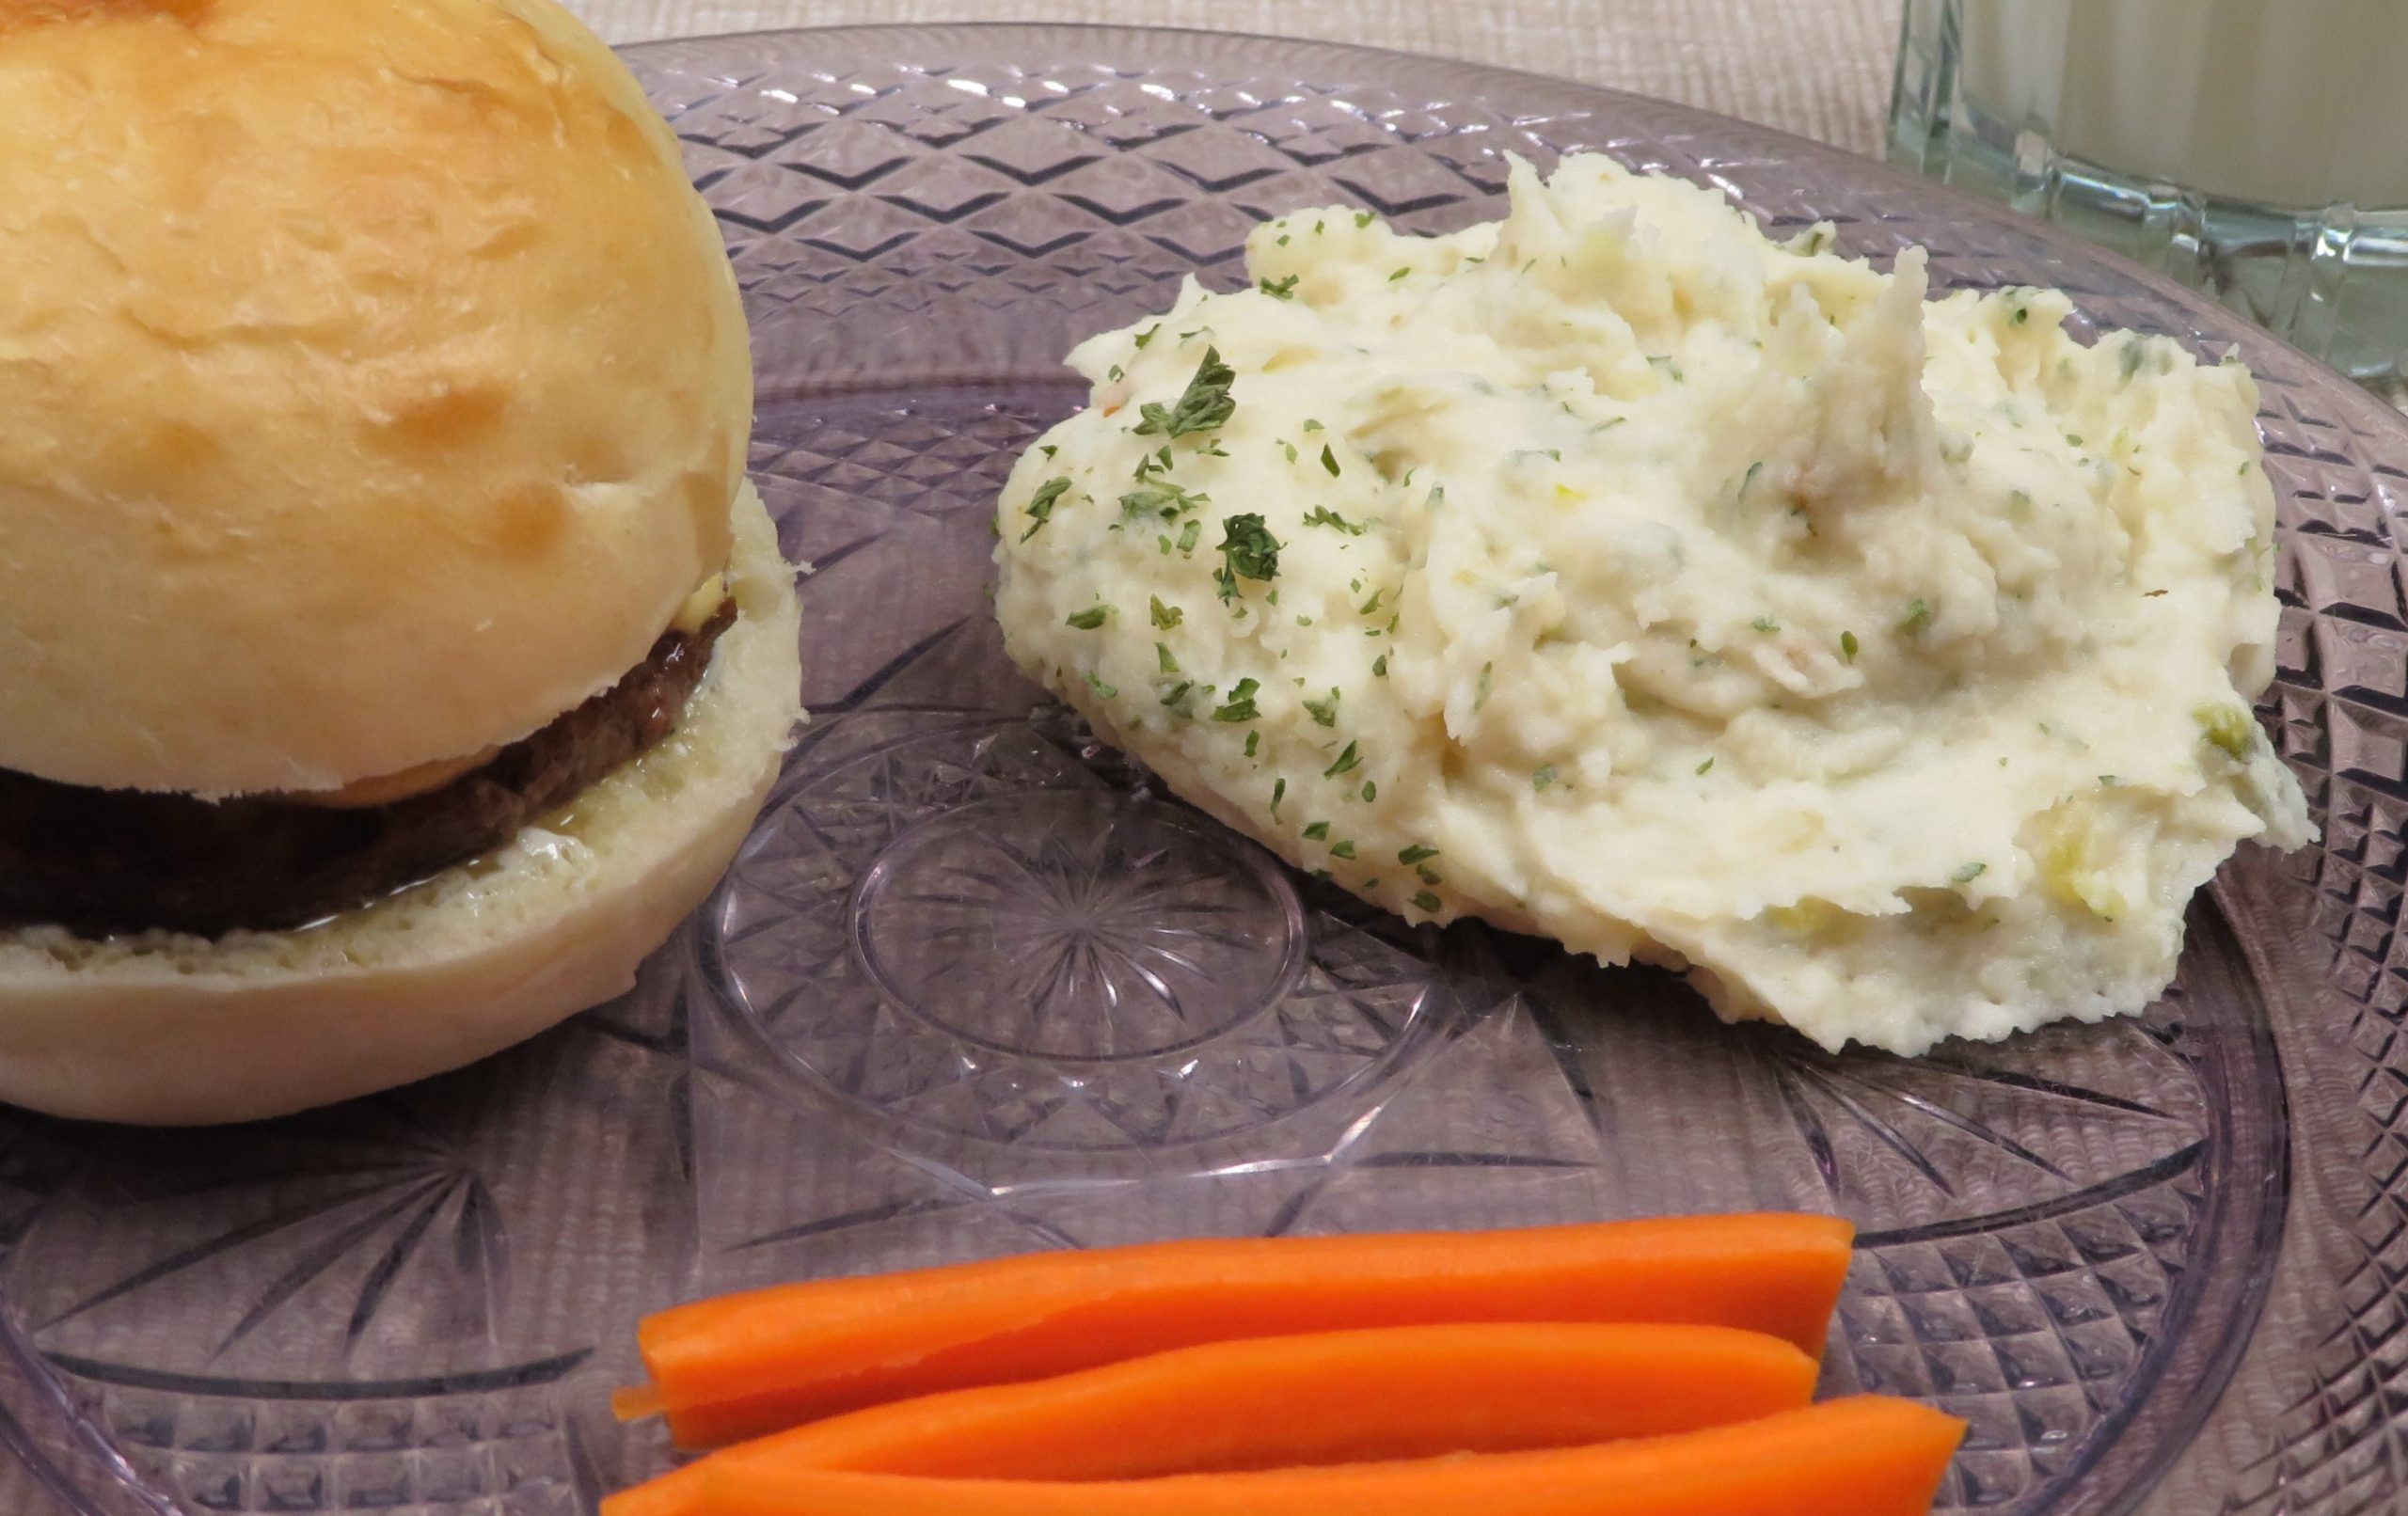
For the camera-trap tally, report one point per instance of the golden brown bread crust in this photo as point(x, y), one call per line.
point(376, 385)
point(181, 1029)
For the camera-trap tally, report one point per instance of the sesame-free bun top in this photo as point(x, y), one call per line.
point(374, 385)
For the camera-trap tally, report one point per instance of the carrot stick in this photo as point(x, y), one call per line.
point(1869, 1456)
point(744, 1365)
point(1273, 1402)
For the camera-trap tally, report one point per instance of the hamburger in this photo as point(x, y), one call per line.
point(391, 650)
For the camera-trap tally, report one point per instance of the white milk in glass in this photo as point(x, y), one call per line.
point(2285, 102)
point(2257, 148)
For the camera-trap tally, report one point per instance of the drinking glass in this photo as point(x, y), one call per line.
point(2253, 149)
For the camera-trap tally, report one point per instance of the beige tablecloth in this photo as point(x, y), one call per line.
point(1816, 67)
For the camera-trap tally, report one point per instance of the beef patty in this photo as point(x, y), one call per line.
point(99, 861)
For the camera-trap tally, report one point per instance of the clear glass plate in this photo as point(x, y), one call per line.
point(976, 986)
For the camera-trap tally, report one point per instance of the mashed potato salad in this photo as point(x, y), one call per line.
point(1616, 574)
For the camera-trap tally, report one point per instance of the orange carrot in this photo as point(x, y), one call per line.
point(1869, 1456)
point(1273, 1402)
point(745, 1365)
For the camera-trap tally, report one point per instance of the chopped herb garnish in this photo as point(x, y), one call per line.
point(1541, 776)
point(1362, 218)
point(1416, 854)
point(1705, 766)
point(2073, 439)
point(1370, 791)
point(1145, 337)
point(1666, 366)
point(1345, 761)
point(1253, 743)
point(1343, 850)
point(1426, 901)
point(1848, 646)
point(1370, 606)
point(1318, 830)
point(1040, 505)
point(1239, 706)
point(1279, 793)
point(1188, 536)
point(1248, 548)
point(1380, 667)
point(1165, 616)
point(1311, 425)
point(1290, 449)
point(1279, 288)
point(1321, 516)
point(1325, 712)
point(1087, 620)
point(1204, 404)
point(1113, 373)
point(1969, 874)
point(1106, 691)
point(1048, 448)
point(1398, 275)
point(1481, 699)
point(1329, 460)
point(1765, 624)
point(1162, 651)
point(1176, 695)
point(1162, 498)
point(2019, 316)
point(1918, 616)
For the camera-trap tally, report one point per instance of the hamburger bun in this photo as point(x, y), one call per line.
point(375, 385)
point(374, 392)
point(169, 1030)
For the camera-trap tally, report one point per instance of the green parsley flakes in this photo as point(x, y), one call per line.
point(1249, 551)
point(1240, 706)
point(1165, 617)
point(1205, 404)
point(1325, 712)
point(1040, 505)
point(1349, 759)
point(1087, 620)
point(1321, 516)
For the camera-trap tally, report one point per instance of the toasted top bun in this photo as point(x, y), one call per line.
point(374, 385)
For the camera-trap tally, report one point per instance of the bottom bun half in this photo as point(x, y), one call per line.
point(178, 1031)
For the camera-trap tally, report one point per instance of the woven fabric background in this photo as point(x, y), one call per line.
point(1820, 67)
